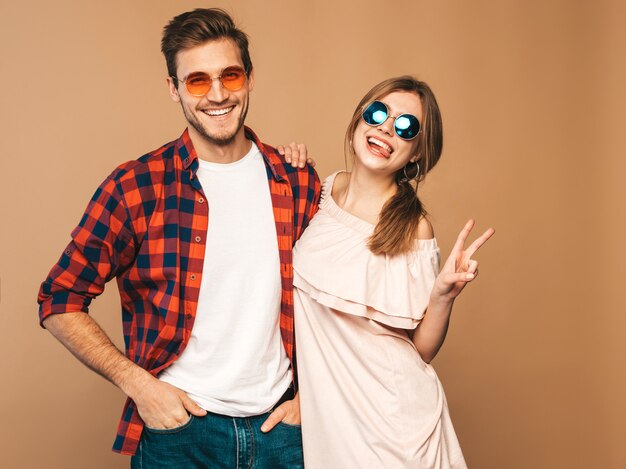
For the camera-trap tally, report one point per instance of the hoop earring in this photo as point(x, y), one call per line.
point(406, 179)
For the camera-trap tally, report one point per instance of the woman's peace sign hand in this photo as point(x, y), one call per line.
point(459, 269)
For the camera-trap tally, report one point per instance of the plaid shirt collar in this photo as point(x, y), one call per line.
point(187, 154)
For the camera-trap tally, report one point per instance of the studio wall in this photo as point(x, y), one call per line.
point(533, 106)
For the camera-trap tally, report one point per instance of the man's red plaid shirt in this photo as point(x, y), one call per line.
point(146, 226)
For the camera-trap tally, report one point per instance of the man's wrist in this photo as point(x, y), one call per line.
point(133, 380)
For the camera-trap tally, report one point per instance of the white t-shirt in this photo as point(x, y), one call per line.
point(235, 363)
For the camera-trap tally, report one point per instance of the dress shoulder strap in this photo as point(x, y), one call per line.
point(327, 185)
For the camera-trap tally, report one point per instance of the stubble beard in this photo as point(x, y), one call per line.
point(219, 140)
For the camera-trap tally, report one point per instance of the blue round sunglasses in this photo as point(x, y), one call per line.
point(407, 126)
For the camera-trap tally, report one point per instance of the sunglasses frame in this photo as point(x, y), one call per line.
point(212, 79)
point(395, 119)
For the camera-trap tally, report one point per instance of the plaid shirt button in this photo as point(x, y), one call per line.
point(193, 276)
point(198, 239)
point(201, 200)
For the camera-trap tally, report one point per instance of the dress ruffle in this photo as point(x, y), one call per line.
point(336, 268)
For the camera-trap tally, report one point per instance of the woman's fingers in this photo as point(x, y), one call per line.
point(472, 266)
point(460, 258)
point(478, 242)
point(287, 151)
point(460, 240)
point(464, 257)
point(460, 277)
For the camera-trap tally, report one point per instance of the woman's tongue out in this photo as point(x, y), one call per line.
point(379, 147)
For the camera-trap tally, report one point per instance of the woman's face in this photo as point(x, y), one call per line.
point(379, 149)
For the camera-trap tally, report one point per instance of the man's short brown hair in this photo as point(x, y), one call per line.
point(196, 27)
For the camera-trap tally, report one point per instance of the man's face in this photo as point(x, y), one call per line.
point(219, 115)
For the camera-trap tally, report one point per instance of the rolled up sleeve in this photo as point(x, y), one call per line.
point(102, 246)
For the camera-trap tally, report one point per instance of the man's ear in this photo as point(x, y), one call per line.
point(251, 80)
point(171, 86)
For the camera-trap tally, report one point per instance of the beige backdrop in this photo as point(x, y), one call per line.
point(532, 95)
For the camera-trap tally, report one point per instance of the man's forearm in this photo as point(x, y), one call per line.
point(82, 336)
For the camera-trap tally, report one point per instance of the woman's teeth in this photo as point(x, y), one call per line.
point(379, 143)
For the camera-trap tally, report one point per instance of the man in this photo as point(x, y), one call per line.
point(198, 235)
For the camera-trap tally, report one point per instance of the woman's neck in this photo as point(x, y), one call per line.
point(363, 193)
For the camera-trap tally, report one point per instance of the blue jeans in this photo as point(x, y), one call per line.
point(217, 441)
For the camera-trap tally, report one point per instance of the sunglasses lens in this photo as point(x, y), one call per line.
point(407, 126)
point(233, 78)
point(375, 114)
point(198, 84)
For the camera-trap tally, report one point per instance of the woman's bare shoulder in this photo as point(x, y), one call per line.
point(425, 229)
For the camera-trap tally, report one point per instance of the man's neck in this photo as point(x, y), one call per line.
point(208, 150)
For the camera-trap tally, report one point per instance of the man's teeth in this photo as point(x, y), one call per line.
point(219, 112)
point(380, 143)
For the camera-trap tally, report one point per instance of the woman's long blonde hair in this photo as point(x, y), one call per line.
point(396, 229)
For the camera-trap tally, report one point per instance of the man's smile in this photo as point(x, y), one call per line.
point(218, 112)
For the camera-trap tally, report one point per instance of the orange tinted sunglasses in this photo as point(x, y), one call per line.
point(199, 83)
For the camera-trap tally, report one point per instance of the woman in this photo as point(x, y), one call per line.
point(371, 307)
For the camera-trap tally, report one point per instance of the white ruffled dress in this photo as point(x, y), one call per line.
point(367, 398)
